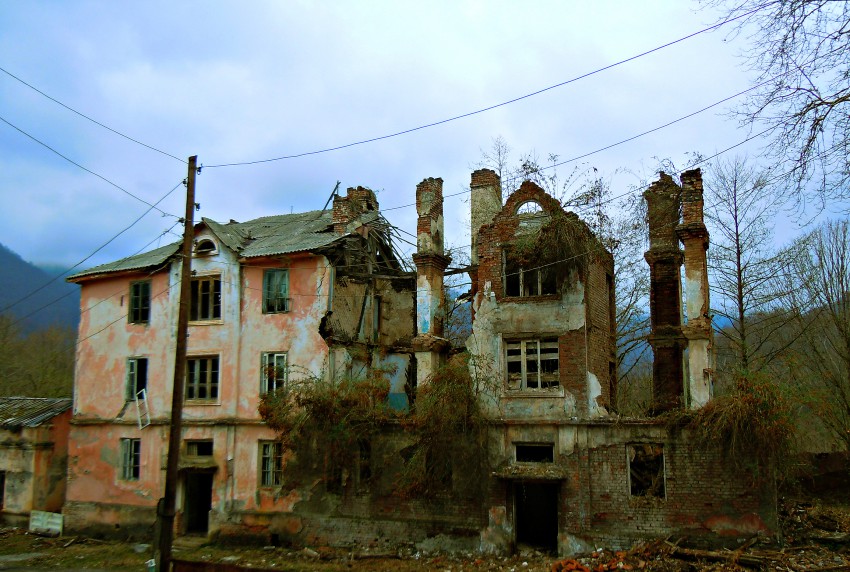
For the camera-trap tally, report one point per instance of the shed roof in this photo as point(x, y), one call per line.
point(264, 236)
point(16, 412)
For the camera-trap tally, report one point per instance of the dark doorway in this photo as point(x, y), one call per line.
point(537, 515)
point(198, 501)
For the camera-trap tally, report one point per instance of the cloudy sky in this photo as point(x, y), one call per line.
point(239, 82)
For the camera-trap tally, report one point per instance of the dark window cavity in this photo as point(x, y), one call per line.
point(646, 470)
point(535, 453)
point(137, 377)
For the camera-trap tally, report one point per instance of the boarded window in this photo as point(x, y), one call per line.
point(532, 364)
point(206, 299)
point(646, 470)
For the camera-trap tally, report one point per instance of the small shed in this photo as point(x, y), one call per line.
point(33, 456)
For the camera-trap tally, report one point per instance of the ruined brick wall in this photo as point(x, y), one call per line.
point(601, 326)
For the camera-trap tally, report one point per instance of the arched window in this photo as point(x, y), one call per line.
point(205, 246)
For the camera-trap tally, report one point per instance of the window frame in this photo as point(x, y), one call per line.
point(281, 373)
point(270, 464)
point(197, 251)
point(209, 309)
point(132, 379)
point(211, 385)
point(519, 380)
point(520, 282)
point(192, 448)
point(281, 302)
point(130, 467)
point(139, 305)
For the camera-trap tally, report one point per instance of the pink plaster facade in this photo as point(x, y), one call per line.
point(101, 499)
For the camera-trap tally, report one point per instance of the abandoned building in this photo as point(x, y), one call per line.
point(33, 456)
point(315, 295)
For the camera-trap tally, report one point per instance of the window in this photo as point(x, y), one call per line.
point(131, 459)
point(202, 378)
point(137, 377)
point(532, 364)
point(646, 470)
point(271, 464)
point(140, 302)
point(275, 291)
point(204, 246)
point(524, 280)
point(199, 448)
point(274, 372)
point(206, 299)
point(535, 453)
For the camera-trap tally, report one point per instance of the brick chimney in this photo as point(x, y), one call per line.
point(486, 202)
point(694, 236)
point(429, 344)
point(356, 202)
point(665, 294)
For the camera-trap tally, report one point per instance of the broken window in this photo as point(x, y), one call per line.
point(523, 279)
point(199, 448)
point(271, 463)
point(535, 453)
point(206, 298)
point(646, 470)
point(205, 246)
point(274, 372)
point(275, 291)
point(532, 364)
point(131, 459)
point(202, 378)
point(137, 377)
point(140, 302)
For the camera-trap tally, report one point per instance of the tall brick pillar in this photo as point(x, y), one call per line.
point(694, 236)
point(429, 343)
point(485, 203)
point(665, 294)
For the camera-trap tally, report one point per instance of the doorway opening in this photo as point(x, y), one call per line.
point(198, 497)
point(536, 506)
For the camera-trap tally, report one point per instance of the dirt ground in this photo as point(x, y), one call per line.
point(816, 534)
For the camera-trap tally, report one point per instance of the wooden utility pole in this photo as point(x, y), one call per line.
point(166, 507)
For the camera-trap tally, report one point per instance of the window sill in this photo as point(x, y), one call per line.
point(188, 402)
point(540, 298)
point(215, 322)
point(534, 393)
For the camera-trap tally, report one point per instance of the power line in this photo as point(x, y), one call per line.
point(101, 177)
point(491, 107)
point(84, 116)
point(98, 249)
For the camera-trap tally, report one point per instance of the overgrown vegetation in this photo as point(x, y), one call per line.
point(752, 423)
point(38, 363)
point(562, 242)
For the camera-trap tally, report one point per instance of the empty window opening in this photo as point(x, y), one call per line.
point(2, 489)
point(206, 299)
point(205, 246)
point(532, 364)
point(137, 377)
point(271, 463)
point(274, 372)
point(199, 448)
point(275, 291)
point(202, 378)
point(140, 302)
point(198, 501)
point(526, 279)
point(531, 216)
point(536, 506)
point(646, 470)
point(131, 459)
point(535, 453)
point(364, 461)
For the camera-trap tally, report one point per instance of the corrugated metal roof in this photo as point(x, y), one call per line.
point(16, 412)
point(265, 236)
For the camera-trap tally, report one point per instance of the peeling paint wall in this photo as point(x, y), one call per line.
point(34, 460)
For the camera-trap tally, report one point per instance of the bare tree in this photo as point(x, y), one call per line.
point(743, 263)
point(819, 287)
point(800, 50)
point(36, 364)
